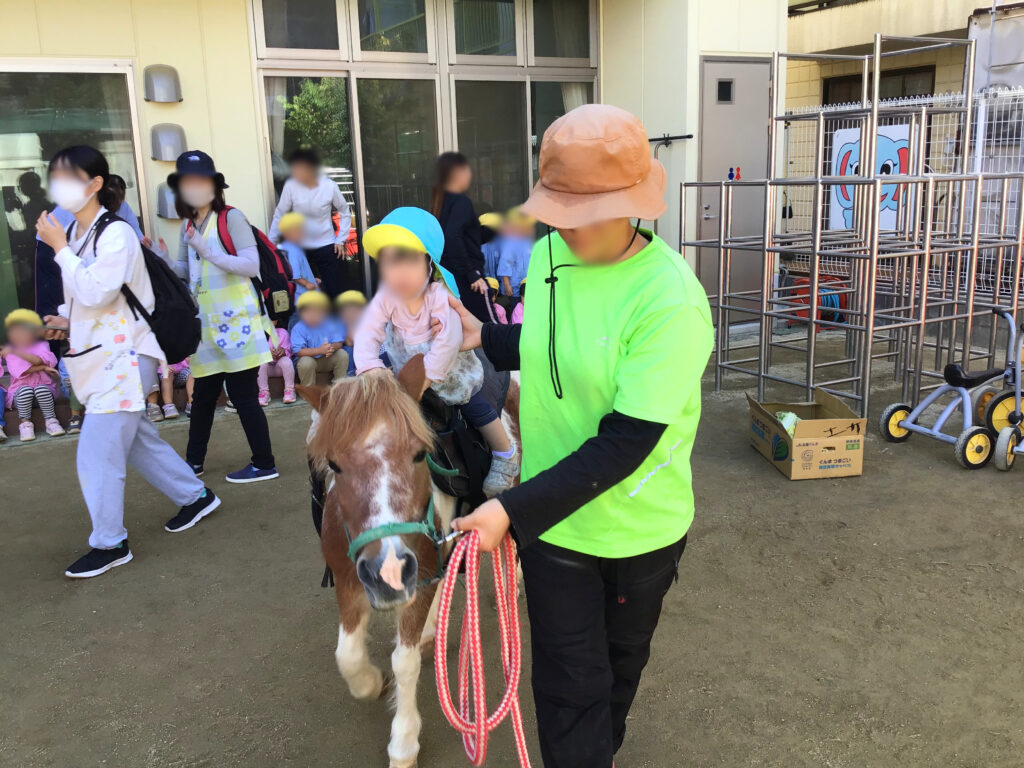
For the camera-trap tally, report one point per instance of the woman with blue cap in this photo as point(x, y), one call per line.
point(413, 295)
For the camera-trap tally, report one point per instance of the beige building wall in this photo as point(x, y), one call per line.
point(207, 42)
point(650, 65)
point(851, 29)
point(805, 79)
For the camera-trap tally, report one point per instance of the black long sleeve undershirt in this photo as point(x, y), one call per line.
point(617, 450)
point(501, 345)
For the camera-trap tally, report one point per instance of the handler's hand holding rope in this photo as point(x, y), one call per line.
point(475, 732)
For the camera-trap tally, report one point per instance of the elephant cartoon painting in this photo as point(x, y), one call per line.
point(893, 160)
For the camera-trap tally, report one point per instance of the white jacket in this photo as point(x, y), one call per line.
point(106, 339)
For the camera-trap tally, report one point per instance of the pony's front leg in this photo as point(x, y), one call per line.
point(365, 680)
point(404, 746)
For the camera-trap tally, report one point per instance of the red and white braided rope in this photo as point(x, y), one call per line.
point(471, 663)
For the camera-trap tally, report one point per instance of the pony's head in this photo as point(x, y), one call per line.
point(372, 440)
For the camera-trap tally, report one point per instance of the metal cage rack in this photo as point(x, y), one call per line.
point(910, 290)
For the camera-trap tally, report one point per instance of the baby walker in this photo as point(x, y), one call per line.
point(991, 412)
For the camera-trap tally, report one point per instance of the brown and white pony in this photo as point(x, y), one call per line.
point(371, 438)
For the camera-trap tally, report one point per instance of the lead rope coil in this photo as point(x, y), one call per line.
point(471, 665)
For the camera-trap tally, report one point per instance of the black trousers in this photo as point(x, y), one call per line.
point(591, 624)
point(244, 394)
point(324, 263)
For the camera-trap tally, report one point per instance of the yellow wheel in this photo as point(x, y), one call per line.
point(1001, 412)
point(973, 448)
point(981, 398)
point(1003, 455)
point(890, 423)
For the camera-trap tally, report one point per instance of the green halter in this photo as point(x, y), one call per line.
point(425, 526)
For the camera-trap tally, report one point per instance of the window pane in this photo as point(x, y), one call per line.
point(398, 128)
point(43, 113)
point(301, 24)
point(561, 28)
point(392, 25)
point(485, 27)
point(549, 101)
point(312, 112)
point(492, 126)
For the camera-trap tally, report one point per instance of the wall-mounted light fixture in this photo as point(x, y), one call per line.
point(165, 202)
point(161, 84)
point(167, 141)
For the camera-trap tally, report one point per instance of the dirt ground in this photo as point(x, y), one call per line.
point(872, 621)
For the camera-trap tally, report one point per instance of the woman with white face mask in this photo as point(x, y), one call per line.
point(112, 360)
point(218, 258)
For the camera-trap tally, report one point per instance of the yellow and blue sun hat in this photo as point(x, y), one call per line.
point(414, 229)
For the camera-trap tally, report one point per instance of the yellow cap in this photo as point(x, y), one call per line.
point(352, 297)
point(523, 281)
point(493, 282)
point(492, 220)
point(516, 216)
point(290, 221)
point(23, 317)
point(313, 299)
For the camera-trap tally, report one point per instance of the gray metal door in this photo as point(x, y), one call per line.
point(733, 144)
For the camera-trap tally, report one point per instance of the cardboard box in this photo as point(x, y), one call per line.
point(828, 440)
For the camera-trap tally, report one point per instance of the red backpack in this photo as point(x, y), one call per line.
point(274, 285)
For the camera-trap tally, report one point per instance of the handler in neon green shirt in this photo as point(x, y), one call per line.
point(616, 334)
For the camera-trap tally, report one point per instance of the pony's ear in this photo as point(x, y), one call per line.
point(316, 395)
point(412, 377)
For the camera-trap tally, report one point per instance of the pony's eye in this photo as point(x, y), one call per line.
point(334, 467)
point(420, 456)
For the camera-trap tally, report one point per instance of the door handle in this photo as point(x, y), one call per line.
point(707, 216)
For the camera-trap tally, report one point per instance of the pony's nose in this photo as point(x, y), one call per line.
point(389, 577)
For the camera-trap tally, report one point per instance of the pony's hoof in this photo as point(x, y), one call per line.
point(408, 763)
point(368, 685)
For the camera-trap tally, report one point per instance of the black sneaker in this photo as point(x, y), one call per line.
point(99, 561)
point(194, 512)
point(198, 469)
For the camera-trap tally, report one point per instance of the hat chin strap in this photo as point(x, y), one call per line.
point(556, 379)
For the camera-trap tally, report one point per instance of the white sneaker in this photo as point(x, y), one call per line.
point(154, 412)
point(502, 475)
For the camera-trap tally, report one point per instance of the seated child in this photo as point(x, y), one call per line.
point(3, 405)
point(413, 292)
point(293, 229)
point(317, 340)
point(171, 376)
point(517, 313)
point(492, 296)
point(75, 422)
point(280, 367)
point(514, 260)
point(32, 367)
point(350, 306)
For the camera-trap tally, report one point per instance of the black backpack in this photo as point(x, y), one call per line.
point(175, 316)
point(275, 285)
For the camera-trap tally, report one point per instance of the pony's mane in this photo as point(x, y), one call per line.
point(357, 404)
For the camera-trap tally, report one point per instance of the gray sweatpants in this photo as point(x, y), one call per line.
point(108, 445)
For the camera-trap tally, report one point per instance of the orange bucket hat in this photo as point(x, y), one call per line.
point(595, 164)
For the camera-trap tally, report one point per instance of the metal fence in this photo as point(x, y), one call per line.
point(895, 226)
